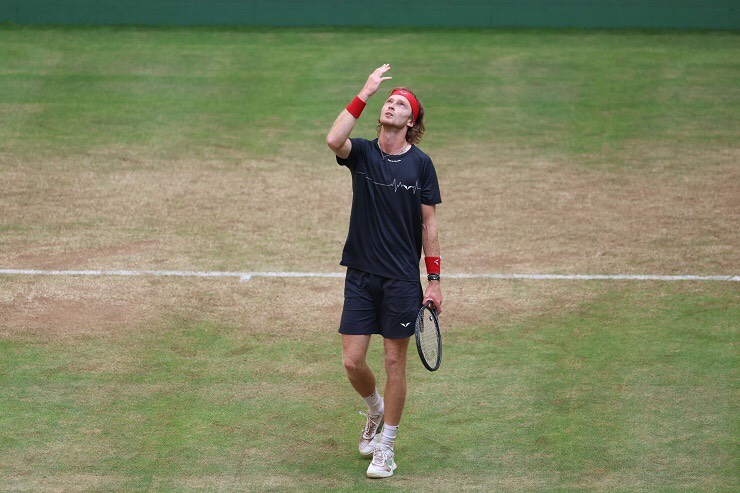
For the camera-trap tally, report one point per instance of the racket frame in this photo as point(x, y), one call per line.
point(429, 306)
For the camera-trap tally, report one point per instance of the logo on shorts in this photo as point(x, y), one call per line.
point(406, 324)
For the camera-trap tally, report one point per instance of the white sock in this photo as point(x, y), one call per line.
point(389, 436)
point(374, 403)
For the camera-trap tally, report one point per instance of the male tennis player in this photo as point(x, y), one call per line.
point(395, 191)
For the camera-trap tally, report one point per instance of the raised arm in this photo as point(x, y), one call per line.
point(338, 137)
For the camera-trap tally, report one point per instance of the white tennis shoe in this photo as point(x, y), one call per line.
point(383, 463)
point(370, 436)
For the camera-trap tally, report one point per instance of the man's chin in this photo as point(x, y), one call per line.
point(387, 122)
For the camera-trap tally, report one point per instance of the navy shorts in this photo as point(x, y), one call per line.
point(379, 305)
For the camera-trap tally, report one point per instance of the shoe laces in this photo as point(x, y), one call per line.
point(379, 456)
point(370, 426)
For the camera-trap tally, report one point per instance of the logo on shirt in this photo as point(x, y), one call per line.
point(394, 184)
point(406, 324)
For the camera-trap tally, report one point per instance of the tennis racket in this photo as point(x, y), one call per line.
point(428, 337)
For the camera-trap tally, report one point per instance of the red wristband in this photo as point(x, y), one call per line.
point(433, 265)
point(356, 106)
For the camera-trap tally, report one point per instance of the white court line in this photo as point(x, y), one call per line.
point(246, 276)
point(615, 277)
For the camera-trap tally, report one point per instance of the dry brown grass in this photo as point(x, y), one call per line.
point(118, 210)
point(59, 483)
point(62, 307)
point(51, 308)
point(122, 211)
point(536, 216)
point(115, 209)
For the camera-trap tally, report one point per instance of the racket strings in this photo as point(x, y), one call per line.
point(428, 337)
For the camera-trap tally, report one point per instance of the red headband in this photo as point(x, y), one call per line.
point(412, 100)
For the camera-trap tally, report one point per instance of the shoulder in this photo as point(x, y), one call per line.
point(360, 142)
point(421, 156)
point(357, 153)
point(360, 147)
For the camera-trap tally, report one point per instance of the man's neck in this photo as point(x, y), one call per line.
point(392, 140)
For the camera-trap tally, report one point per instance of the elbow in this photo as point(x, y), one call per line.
point(332, 142)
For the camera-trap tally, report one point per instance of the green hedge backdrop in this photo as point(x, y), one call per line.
point(681, 14)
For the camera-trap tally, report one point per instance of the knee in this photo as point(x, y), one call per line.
point(395, 365)
point(352, 364)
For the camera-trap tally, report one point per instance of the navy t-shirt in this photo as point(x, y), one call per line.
point(385, 223)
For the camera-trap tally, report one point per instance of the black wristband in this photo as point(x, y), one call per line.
point(433, 277)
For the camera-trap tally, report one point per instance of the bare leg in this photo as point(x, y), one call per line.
point(354, 351)
point(395, 388)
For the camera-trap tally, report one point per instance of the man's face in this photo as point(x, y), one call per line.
point(396, 112)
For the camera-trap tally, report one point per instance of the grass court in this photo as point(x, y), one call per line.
point(561, 152)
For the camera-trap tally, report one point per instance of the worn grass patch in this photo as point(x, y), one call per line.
point(522, 215)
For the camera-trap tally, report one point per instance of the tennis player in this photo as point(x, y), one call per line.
point(393, 217)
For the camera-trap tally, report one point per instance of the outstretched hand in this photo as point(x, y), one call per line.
point(374, 81)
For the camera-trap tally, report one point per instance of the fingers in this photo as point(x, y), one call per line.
point(375, 79)
point(381, 70)
point(437, 304)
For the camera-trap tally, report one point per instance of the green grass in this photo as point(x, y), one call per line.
point(203, 149)
point(617, 394)
point(204, 92)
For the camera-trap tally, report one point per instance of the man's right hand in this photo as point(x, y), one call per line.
point(374, 81)
point(338, 137)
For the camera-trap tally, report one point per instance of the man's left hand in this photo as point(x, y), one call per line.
point(434, 294)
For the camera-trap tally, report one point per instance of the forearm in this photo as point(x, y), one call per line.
point(430, 238)
point(430, 243)
point(344, 123)
point(341, 129)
